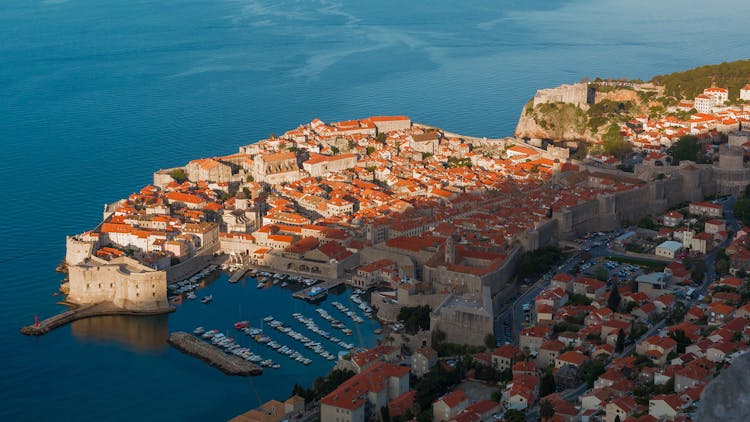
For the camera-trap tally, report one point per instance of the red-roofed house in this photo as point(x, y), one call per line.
point(622, 408)
point(376, 386)
point(448, 406)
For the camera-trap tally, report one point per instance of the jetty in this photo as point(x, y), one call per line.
point(84, 311)
point(327, 285)
point(228, 364)
point(239, 274)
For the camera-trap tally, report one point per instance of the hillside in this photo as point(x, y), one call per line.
point(566, 113)
point(688, 84)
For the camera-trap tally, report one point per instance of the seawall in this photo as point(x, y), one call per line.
point(81, 312)
point(228, 364)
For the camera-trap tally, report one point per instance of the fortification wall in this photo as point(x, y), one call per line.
point(405, 263)
point(99, 281)
point(187, 268)
point(77, 251)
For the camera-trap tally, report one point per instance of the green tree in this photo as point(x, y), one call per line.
point(489, 341)
point(178, 175)
point(546, 409)
point(415, 318)
point(513, 415)
point(601, 274)
point(547, 384)
point(699, 271)
point(613, 301)
point(370, 150)
point(613, 142)
point(381, 137)
point(334, 150)
point(742, 210)
point(686, 148)
point(620, 344)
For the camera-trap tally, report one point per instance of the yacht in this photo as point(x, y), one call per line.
point(198, 331)
point(207, 299)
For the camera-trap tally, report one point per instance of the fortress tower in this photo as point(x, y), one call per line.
point(450, 250)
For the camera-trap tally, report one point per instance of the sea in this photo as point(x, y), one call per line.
point(95, 95)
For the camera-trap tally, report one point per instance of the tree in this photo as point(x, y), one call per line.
point(613, 142)
point(546, 409)
point(415, 318)
point(334, 150)
point(513, 415)
point(620, 344)
point(686, 148)
point(178, 175)
point(613, 301)
point(547, 384)
point(601, 274)
point(699, 271)
point(682, 340)
point(370, 150)
point(489, 341)
point(742, 210)
point(381, 137)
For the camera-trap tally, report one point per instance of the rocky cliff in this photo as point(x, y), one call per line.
point(572, 122)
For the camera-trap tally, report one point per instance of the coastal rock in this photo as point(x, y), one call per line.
point(228, 364)
point(557, 121)
point(727, 398)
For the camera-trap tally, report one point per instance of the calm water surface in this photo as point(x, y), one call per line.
point(98, 94)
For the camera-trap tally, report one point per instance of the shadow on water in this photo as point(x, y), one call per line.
point(138, 333)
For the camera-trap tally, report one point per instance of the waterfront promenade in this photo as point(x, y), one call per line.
point(328, 284)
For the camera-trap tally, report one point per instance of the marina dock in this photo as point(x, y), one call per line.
point(304, 294)
point(226, 363)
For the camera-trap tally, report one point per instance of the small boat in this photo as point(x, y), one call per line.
point(268, 318)
point(207, 299)
point(284, 284)
point(191, 296)
point(378, 331)
point(275, 366)
point(241, 324)
point(198, 331)
point(347, 331)
point(261, 284)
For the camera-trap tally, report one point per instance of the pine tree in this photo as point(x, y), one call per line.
point(620, 345)
point(613, 302)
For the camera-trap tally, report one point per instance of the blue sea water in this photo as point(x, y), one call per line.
point(96, 94)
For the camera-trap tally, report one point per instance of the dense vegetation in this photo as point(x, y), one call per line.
point(537, 262)
point(692, 82)
point(178, 175)
point(687, 148)
point(322, 385)
point(415, 318)
point(613, 142)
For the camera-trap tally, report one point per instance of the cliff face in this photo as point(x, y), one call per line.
point(571, 122)
point(558, 121)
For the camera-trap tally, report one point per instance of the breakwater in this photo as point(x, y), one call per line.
point(81, 312)
point(228, 364)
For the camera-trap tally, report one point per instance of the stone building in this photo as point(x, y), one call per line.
point(464, 320)
point(208, 169)
point(320, 165)
point(578, 94)
point(276, 168)
point(122, 281)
